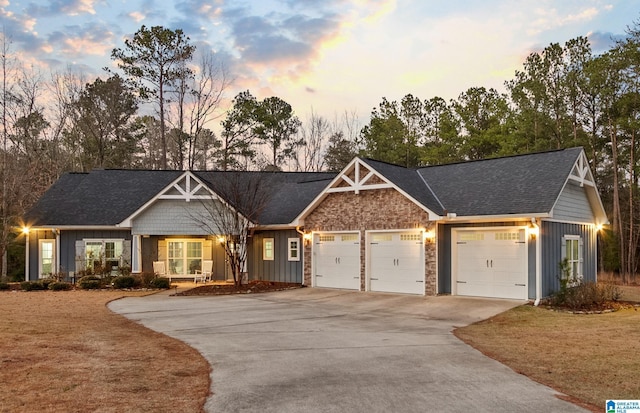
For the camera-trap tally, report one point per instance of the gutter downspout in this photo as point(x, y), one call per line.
point(538, 264)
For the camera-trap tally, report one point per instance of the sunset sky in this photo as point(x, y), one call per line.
point(327, 56)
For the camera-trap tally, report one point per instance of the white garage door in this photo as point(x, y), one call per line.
point(490, 263)
point(396, 262)
point(337, 260)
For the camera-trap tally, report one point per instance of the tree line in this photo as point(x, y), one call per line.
point(159, 109)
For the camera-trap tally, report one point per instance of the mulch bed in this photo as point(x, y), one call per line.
point(251, 287)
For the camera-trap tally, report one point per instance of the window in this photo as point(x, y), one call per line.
point(294, 249)
point(47, 257)
point(572, 252)
point(184, 256)
point(103, 256)
point(267, 249)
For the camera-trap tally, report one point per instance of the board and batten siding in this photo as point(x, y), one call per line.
point(174, 217)
point(67, 246)
point(279, 269)
point(573, 205)
point(552, 237)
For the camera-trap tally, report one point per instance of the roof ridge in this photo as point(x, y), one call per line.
point(502, 157)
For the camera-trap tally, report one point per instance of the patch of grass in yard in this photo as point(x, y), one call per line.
point(592, 358)
point(66, 352)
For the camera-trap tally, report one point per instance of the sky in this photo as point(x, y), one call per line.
point(324, 56)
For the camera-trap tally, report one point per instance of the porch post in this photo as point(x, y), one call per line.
point(26, 256)
point(136, 254)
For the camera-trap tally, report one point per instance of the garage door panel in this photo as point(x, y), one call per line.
point(337, 261)
point(396, 262)
point(491, 263)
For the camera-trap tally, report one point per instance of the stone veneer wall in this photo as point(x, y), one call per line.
point(381, 209)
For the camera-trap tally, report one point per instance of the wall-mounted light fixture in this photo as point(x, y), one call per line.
point(25, 230)
point(221, 240)
point(429, 235)
point(306, 237)
point(533, 230)
point(598, 227)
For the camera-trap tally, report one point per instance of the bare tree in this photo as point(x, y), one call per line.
point(232, 215)
point(315, 133)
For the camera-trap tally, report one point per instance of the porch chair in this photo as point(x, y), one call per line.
point(159, 269)
point(206, 273)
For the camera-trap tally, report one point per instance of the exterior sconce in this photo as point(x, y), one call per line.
point(534, 231)
point(221, 240)
point(598, 227)
point(307, 238)
point(25, 230)
point(430, 236)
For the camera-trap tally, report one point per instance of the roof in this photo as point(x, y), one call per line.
point(411, 182)
point(287, 193)
point(100, 197)
point(521, 184)
point(108, 197)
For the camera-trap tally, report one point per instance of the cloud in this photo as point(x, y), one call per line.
point(77, 41)
point(68, 7)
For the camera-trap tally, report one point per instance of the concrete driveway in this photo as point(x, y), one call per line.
point(317, 350)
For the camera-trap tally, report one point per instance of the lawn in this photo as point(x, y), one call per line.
point(66, 352)
point(591, 358)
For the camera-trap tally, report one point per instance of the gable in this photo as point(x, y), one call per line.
point(364, 176)
point(186, 188)
point(573, 205)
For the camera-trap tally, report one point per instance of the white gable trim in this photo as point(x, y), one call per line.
point(188, 188)
point(357, 184)
point(581, 173)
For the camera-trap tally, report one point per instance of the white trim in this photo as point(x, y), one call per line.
point(136, 253)
point(54, 263)
point(454, 252)
point(265, 257)
point(26, 256)
point(368, 256)
point(313, 251)
point(297, 249)
point(593, 196)
point(187, 196)
point(357, 186)
point(493, 218)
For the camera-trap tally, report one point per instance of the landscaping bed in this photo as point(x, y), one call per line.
point(250, 287)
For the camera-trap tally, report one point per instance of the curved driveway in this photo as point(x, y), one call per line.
point(318, 350)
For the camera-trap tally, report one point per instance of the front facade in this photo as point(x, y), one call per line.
point(494, 228)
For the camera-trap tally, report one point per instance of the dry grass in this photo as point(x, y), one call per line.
point(591, 358)
point(66, 352)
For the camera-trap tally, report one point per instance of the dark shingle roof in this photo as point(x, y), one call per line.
point(288, 193)
point(410, 181)
point(101, 197)
point(512, 185)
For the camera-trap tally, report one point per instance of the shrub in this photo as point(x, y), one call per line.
point(90, 282)
point(4, 286)
point(60, 286)
point(46, 282)
point(585, 296)
point(160, 282)
point(146, 278)
point(32, 286)
point(124, 281)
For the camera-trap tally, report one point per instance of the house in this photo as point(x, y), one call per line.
point(492, 228)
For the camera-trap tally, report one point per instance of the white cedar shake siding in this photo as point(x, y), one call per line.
point(381, 209)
